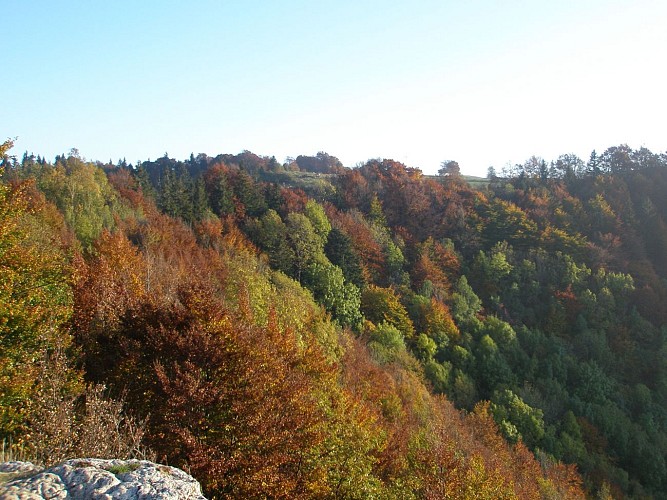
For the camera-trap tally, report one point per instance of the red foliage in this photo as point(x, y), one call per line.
point(570, 302)
point(294, 200)
point(231, 401)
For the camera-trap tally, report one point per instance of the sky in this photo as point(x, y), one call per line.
point(485, 83)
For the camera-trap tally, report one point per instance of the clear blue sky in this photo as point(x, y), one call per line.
point(421, 81)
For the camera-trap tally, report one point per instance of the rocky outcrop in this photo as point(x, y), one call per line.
point(97, 479)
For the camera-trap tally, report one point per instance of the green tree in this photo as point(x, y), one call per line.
point(318, 218)
point(508, 222)
point(305, 242)
point(340, 251)
point(438, 374)
point(376, 214)
point(247, 192)
point(516, 419)
point(490, 270)
point(386, 342)
point(200, 206)
point(144, 181)
point(425, 347)
point(340, 298)
point(270, 233)
point(177, 194)
point(220, 193)
point(466, 305)
point(492, 369)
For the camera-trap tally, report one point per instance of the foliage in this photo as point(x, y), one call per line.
point(82, 193)
point(35, 298)
point(286, 331)
point(383, 305)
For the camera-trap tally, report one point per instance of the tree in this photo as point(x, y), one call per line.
point(465, 303)
point(491, 368)
point(238, 411)
point(505, 221)
point(270, 233)
point(425, 347)
point(176, 194)
point(433, 318)
point(383, 305)
point(386, 342)
point(200, 207)
point(330, 289)
point(220, 194)
point(321, 163)
point(340, 251)
point(247, 193)
point(82, 193)
point(35, 298)
point(516, 419)
point(450, 168)
point(364, 244)
point(593, 165)
point(437, 263)
point(318, 219)
point(376, 214)
point(4, 148)
point(568, 167)
point(305, 242)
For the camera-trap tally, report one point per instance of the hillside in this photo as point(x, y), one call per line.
point(306, 330)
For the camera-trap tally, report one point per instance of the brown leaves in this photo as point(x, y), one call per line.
point(237, 400)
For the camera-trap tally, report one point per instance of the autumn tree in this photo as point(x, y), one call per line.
point(82, 193)
point(383, 305)
point(35, 297)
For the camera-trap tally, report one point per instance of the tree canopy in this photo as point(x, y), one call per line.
point(309, 331)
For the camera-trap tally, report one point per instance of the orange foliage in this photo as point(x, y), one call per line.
point(209, 232)
point(365, 246)
point(259, 411)
point(438, 264)
point(569, 300)
point(128, 188)
point(465, 457)
point(294, 200)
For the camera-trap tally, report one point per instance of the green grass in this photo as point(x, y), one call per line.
point(476, 182)
point(473, 181)
point(123, 468)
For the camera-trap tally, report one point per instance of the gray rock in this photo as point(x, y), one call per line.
point(19, 468)
point(84, 479)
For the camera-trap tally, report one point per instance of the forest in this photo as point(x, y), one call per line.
point(306, 330)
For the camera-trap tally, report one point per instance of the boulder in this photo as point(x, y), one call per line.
point(94, 478)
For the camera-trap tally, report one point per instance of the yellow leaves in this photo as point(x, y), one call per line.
point(383, 305)
point(484, 484)
point(556, 239)
point(35, 300)
point(438, 321)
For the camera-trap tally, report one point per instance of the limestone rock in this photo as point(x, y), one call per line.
point(97, 479)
